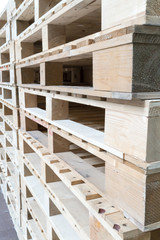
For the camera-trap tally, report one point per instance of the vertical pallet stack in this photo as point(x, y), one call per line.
point(9, 119)
point(82, 162)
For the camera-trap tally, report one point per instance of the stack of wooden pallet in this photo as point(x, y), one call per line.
point(80, 118)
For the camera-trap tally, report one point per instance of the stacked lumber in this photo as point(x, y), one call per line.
point(80, 118)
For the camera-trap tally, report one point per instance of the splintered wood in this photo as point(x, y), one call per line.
point(80, 118)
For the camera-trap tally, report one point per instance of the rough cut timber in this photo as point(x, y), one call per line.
point(75, 163)
point(137, 129)
point(129, 67)
point(119, 12)
point(135, 191)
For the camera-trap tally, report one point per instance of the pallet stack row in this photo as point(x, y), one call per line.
point(80, 118)
point(9, 120)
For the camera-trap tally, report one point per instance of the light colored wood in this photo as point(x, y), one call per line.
point(135, 135)
point(108, 220)
point(140, 191)
point(57, 109)
point(88, 134)
point(118, 12)
point(53, 36)
point(56, 143)
point(97, 231)
point(51, 74)
point(61, 188)
point(126, 68)
point(44, 6)
point(92, 175)
point(112, 69)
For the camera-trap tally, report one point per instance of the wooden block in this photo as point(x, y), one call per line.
point(137, 194)
point(51, 74)
point(119, 225)
point(132, 131)
point(118, 12)
point(128, 68)
point(48, 174)
point(57, 144)
point(56, 109)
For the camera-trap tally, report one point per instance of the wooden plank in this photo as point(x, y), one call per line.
point(84, 169)
point(63, 229)
point(91, 135)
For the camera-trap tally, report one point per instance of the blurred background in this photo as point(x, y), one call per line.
point(3, 4)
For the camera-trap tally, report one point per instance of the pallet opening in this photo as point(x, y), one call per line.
point(26, 17)
point(60, 34)
point(37, 131)
point(71, 73)
point(8, 144)
point(87, 115)
point(32, 45)
point(53, 35)
point(23, 25)
point(78, 73)
point(18, 2)
point(9, 132)
point(2, 154)
point(8, 158)
point(30, 75)
point(6, 76)
point(5, 57)
point(36, 104)
point(84, 26)
point(8, 111)
point(3, 19)
point(1, 122)
point(3, 38)
point(35, 216)
point(46, 5)
point(7, 95)
point(64, 199)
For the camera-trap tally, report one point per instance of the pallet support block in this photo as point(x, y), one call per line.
point(98, 232)
point(51, 74)
point(57, 143)
point(134, 130)
point(127, 68)
point(135, 192)
point(56, 109)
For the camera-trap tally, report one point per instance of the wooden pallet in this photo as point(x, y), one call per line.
point(126, 71)
point(91, 200)
point(79, 119)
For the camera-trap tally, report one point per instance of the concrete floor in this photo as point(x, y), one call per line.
point(7, 231)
